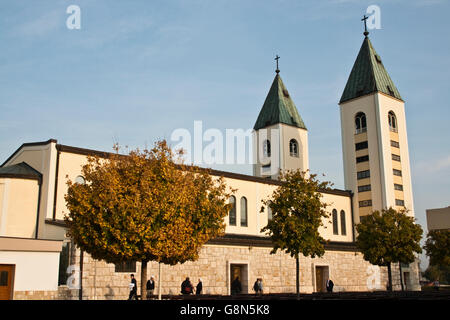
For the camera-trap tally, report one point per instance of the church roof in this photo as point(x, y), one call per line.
point(368, 75)
point(278, 108)
point(20, 170)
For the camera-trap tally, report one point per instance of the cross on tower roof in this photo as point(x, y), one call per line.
point(277, 57)
point(366, 33)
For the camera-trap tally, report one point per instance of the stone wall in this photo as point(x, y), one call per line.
point(348, 270)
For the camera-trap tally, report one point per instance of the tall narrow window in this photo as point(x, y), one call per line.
point(232, 213)
point(243, 212)
point(266, 148)
point(269, 213)
point(343, 228)
point(293, 148)
point(335, 222)
point(392, 121)
point(360, 122)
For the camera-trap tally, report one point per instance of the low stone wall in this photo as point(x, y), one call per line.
point(348, 270)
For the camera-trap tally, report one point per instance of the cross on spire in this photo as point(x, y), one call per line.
point(277, 58)
point(366, 33)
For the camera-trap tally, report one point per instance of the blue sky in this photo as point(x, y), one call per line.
point(137, 70)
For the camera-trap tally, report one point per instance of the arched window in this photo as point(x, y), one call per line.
point(80, 180)
point(293, 148)
point(335, 222)
point(243, 212)
point(266, 148)
point(360, 122)
point(343, 228)
point(232, 213)
point(392, 121)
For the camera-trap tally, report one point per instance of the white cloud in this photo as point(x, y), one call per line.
point(433, 166)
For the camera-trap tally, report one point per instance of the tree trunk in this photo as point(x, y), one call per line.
point(144, 280)
point(297, 275)
point(401, 275)
point(389, 277)
point(159, 281)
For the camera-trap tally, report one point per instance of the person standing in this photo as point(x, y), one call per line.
point(186, 286)
point(150, 287)
point(199, 288)
point(330, 285)
point(133, 288)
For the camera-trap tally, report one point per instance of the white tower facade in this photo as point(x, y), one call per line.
point(374, 138)
point(280, 136)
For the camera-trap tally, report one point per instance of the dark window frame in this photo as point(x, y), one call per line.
point(232, 213)
point(363, 174)
point(343, 223)
point(244, 212)
point(365, 203)
point(361, 145)
point(362, 159)
point(365, 188)
point(335, 222)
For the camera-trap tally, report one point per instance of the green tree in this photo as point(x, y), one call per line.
point(145, 206)
point(297, 213)
point(437, 247)
point(387, 237)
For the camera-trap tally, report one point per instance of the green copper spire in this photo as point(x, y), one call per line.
point(368, 75)
point(278, 107)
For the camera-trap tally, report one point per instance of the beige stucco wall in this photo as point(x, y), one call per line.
point(438, 219)
point(70, 165)
point(18, 207)
point(386, 104)
point(349, 109)
point(279, 136)
point(376, 107)
point(43, 159)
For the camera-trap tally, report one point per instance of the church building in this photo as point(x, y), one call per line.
point(39, 261)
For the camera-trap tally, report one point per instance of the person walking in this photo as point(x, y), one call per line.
point(199, 288)
point(330, 285)
point(133, 288)
point(256, 286)
point(260, 286)
point(150, 287)
point(236, 286)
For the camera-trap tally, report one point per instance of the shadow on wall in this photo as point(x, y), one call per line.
point(110, 294)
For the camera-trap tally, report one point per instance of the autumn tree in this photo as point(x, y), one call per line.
point(145, 206)
point(387, 237)
point(297, 214)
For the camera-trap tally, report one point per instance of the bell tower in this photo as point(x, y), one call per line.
point(280, 136)
point(374, 138)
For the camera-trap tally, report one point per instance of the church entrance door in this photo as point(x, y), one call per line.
point(321, 278)
point(6, 281)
